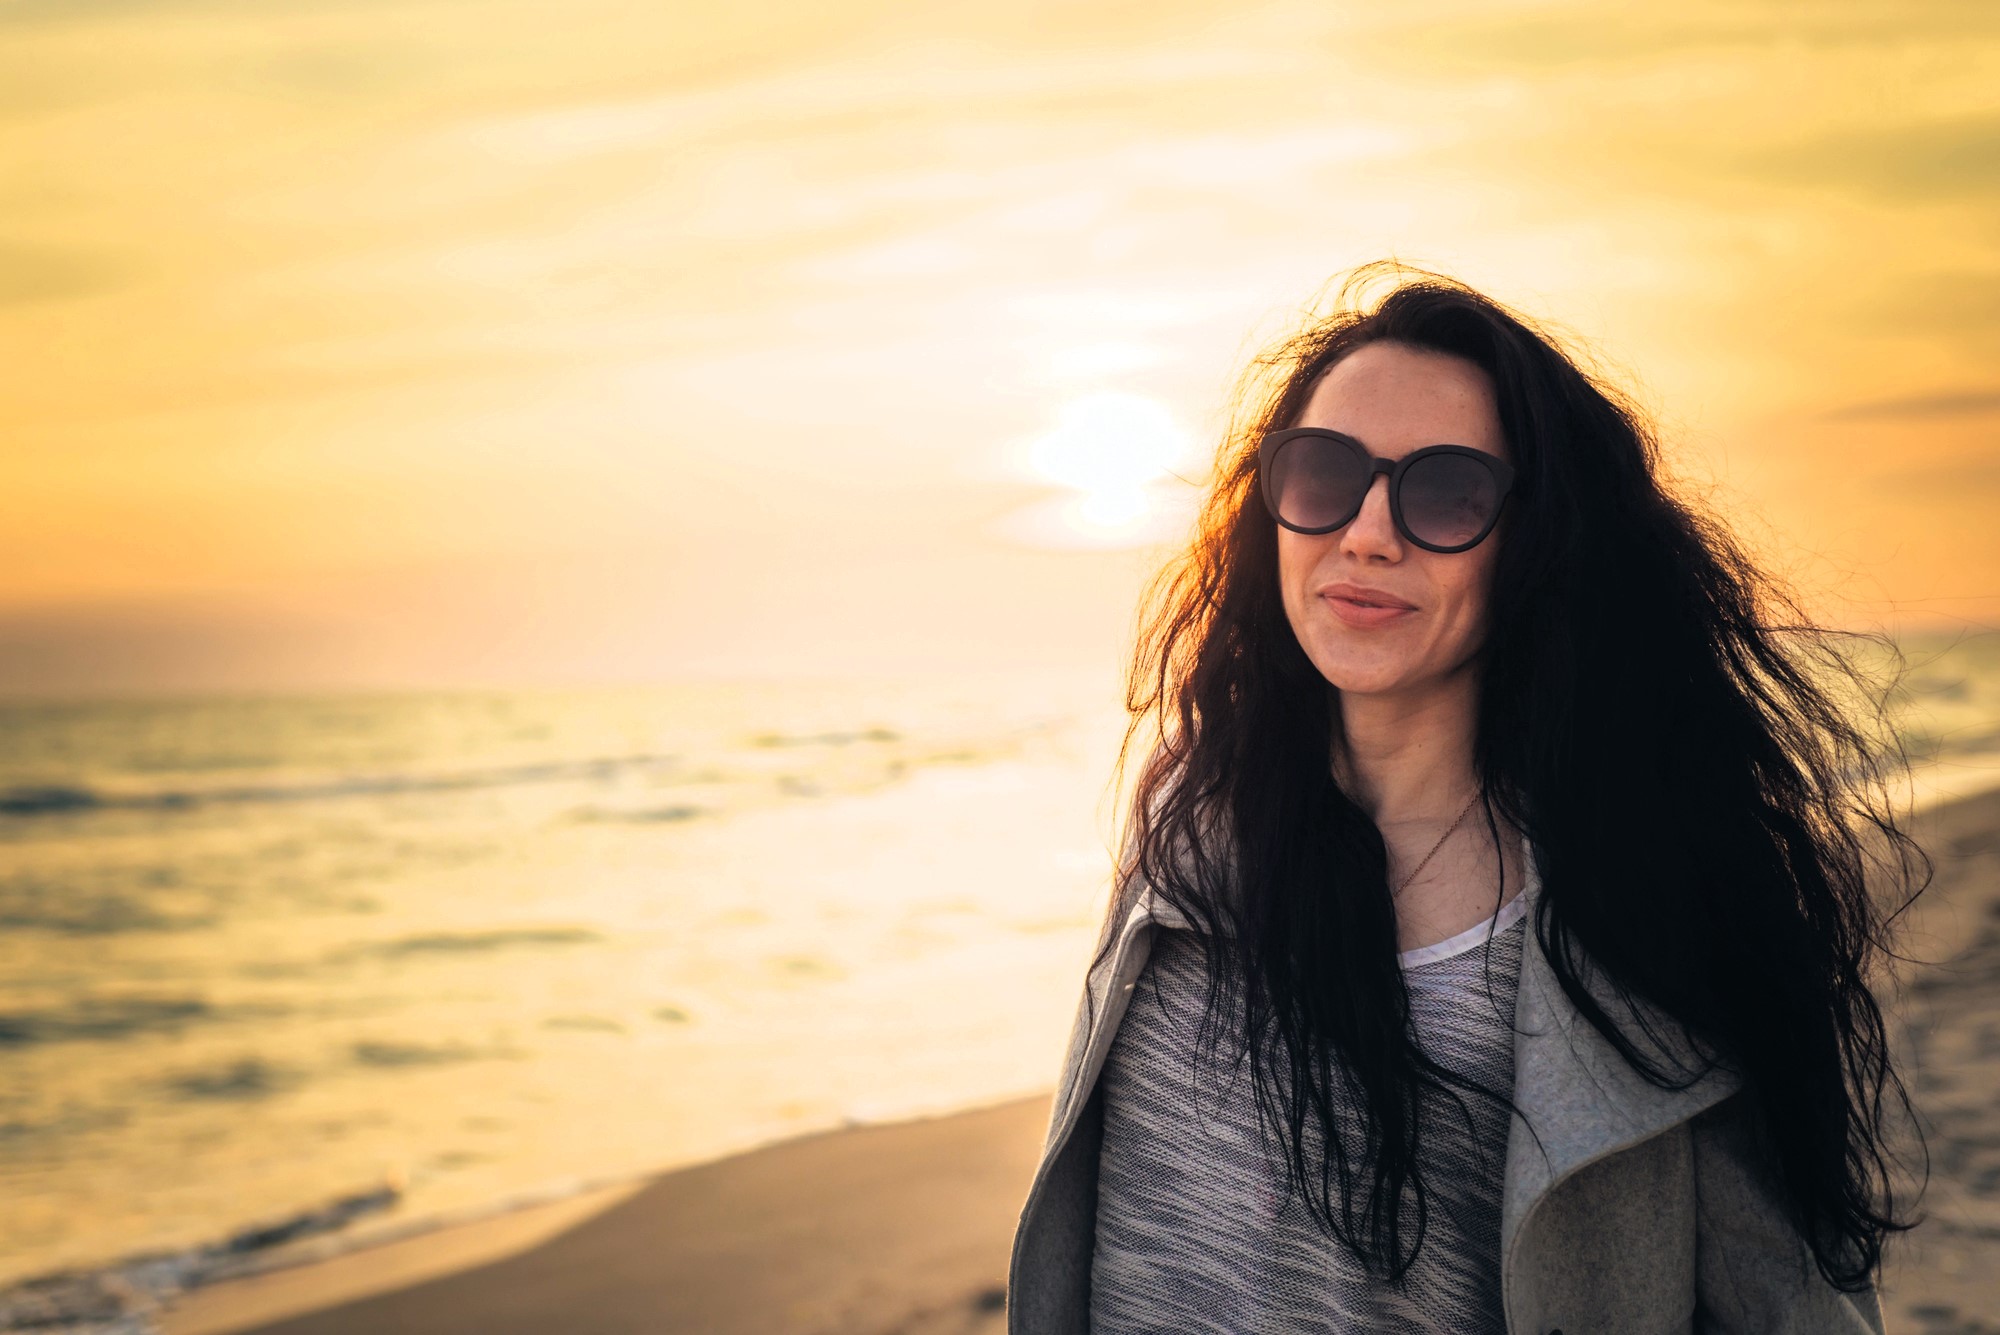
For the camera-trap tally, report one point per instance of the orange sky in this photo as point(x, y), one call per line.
point(428, 342)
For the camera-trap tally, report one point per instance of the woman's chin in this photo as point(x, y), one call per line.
point(1353, 674)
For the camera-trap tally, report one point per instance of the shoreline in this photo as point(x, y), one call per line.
point(222, 1286)
point(900, 1226)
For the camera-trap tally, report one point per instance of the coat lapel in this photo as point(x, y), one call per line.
point(1579, 1099)
point(1106, 989)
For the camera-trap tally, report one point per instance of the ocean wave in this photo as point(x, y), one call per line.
point(129, 1295)
point(72, 1119)
point(591, 1024)
point(243, 1079)
point(100, 1018)
point(460, 943)
point(85, 914)
point(29, 801)
point(640, 815)
point(378, 1052)
point(57, 799)
point(826, 738)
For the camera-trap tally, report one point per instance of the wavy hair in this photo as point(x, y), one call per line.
point(1691, 758)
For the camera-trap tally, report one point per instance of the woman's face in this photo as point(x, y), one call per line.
point(1393, 398)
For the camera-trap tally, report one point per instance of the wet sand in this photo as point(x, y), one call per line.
point(902, 1228)
point(905, 1229)
point(1944, 1278)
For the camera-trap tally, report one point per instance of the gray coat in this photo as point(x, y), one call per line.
point(1638, 1214)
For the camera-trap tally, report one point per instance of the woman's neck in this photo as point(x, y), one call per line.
point(1407, 762)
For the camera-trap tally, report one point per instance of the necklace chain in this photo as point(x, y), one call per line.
point(1436, 846)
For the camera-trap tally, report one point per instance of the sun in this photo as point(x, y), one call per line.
point(1119, 460)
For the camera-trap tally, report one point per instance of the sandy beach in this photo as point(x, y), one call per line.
point(905, 1228)
point(1944, 1277)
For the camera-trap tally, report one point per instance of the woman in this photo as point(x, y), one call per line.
point(1491, 949)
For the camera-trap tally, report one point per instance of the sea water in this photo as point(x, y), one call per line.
point(424, 955)
point(438, 951)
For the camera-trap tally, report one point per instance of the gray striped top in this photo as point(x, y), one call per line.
point(1195, 1231)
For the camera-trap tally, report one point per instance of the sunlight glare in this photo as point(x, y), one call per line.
point(1110, 442)
point(1120, 459)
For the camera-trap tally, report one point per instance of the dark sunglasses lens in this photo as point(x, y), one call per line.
point(1317, 482)
point(1449, 499)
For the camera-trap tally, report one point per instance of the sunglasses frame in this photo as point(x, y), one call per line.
point(1267, 453)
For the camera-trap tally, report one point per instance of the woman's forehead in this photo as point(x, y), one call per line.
point(1394, 398)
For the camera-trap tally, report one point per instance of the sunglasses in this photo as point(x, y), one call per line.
point(1443, 498)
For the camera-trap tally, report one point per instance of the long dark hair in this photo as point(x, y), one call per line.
point(1691, 758)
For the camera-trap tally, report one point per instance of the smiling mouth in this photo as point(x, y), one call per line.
point(1364, 615)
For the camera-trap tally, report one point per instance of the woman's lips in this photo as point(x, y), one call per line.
point(1360, 614)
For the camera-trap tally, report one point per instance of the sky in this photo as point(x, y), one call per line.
point(357, 344)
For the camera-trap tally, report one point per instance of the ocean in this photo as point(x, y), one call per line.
point(430, 954)
point(281, 968)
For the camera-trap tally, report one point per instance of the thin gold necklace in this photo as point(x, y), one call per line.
point(1435, 847)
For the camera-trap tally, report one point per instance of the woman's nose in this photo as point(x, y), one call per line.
point(1373, 530)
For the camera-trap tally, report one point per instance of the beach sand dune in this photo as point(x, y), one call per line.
point(905, 1229)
